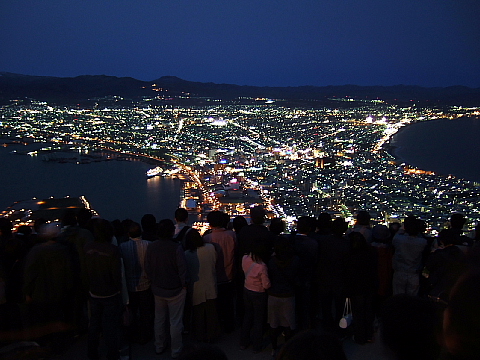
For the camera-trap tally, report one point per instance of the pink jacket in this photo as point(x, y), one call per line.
point(256, 275)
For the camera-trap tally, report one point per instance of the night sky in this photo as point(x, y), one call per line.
point(262, 42)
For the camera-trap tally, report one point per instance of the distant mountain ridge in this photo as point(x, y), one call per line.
point(81, 88)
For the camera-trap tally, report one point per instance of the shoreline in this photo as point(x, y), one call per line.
point(391, 148)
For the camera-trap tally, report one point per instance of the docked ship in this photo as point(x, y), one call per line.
point(154, 172)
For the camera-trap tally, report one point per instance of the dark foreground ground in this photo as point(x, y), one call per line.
point(229, 344)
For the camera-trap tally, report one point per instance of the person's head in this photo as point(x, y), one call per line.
point(409, 326)
point(324, 221)
point(193, 240)
point(312, 345)
point(363, 218)
point(149, 223)
point(304, 225)
point(394, 227)
point(134, 230)
point(457, 221)
point(461, 319)
point(69, 218)
point(380, 234)
point(257, 215)
point(238, 223)
point(5, 227)
point(102, 230)
point(283, 248)
point(215, 219)
point(411, 226)
point(357, 241)
point(166, 229)
point(446, 237)
point(258, 251)
point(38, 224)
point(226, 220)
point(277, 226)
point(339, 226)
point(24, 230)
point(50, 231)
point(83, 217)
point(181, 215)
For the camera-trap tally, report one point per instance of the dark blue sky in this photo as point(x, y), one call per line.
point(266, 42)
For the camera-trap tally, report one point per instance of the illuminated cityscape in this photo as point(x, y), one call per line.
point(295, 161)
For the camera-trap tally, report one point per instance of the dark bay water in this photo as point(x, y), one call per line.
point(444, 146)
point(115, 189)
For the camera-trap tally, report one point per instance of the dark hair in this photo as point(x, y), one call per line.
point(283, 248)
point(102, 230)
point(193, 240)
point(239, 222)
point(134, 230)
point(181, 215)
point(446, 237)
point(312, 345)
point(215, 218)
point(457, 221)
point(5, 227)
point(69, 218)
point(83, 217)
point(257, 215)
point(258, 251)
point(166, 229)
point(363, 218)
point(357, 241)
point(226, 220)
point(277, 226)
point(149, 222)
point(324, 221)
point(305, 224)
point(411, 226)
point(339, 226)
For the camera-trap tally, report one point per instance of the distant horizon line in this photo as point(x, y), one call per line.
point(225, 83)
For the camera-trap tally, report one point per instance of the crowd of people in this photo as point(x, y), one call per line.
point(134, 282)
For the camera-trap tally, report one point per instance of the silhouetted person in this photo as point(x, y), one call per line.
point(103, 265)
point(361, 283)
point(138, 285)
point(166, 268)
point(457, 221)
point(362, 225)
point(444, 267)
point(332, 251)
point(306, 249)
point(255, 298)
point(75, 238)
point(202, 287)
point(149, 227)
point(225, 243)
point(407, 259)
point(382, 242)
point(277, 226)
point(284, 275)
point(181, 226)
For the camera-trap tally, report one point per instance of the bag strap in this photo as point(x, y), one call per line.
point(347, 309)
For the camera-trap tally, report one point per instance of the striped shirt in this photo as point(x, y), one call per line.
point(133, 254)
